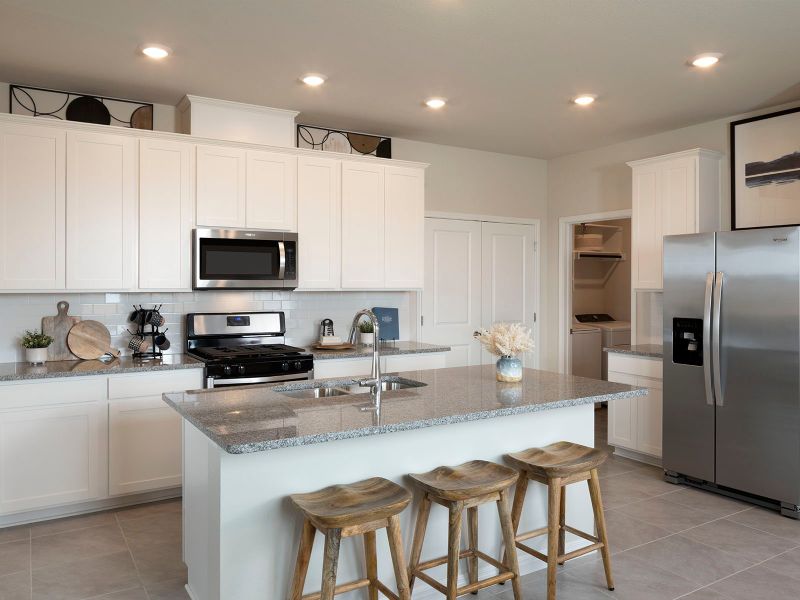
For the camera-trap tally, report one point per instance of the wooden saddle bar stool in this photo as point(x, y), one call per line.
point(341, 511)
point(557, 466)
point(457, 488)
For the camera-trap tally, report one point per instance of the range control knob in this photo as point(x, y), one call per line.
point(226, 369)
point(298, 365)
point(285, 366)
point(241, 369)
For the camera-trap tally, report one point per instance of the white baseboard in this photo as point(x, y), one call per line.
point(648, 459)
point(71, 510)
point(527, 564)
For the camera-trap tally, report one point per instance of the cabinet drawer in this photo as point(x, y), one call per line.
point(154, 384)
point(53, 391)
point(635, 365)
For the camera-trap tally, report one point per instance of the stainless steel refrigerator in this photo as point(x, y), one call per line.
point(732, 363)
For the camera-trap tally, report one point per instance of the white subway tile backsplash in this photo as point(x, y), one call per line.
point(304, 311)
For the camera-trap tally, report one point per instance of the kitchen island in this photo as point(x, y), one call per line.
point(246, 449)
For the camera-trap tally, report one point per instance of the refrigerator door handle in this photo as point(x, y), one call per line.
point(715, 341)
point(707, 338)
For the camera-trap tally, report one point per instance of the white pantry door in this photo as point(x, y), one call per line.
point(508, 277)
point(451, 300)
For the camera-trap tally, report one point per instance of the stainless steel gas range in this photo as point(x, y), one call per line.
point(245, 348)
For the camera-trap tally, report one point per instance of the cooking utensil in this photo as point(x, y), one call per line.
point(57, 328)
point(89, 340)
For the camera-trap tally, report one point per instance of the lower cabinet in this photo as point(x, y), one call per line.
point(362, 367)
point(67, 441)
point(635, 423)
point(52, 455)
point(144, 445)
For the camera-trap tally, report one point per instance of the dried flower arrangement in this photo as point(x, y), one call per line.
point(506, 339)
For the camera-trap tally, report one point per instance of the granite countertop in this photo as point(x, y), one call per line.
point(649, 350)
point(72, 368)
point(257, 418)
point(387, 349)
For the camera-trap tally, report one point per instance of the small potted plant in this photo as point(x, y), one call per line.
point(367, 333)
point(35, 344)
point(507, 340)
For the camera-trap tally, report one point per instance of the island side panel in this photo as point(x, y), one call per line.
point(259, 530)
point(201, 523)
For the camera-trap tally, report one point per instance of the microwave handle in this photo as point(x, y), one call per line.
point(282, 260)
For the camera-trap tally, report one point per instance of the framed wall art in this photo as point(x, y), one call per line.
point(765, 170)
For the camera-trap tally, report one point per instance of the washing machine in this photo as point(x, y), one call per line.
point(613, 333)
point(587, 350)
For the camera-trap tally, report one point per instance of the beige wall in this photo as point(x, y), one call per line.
point(472, 181)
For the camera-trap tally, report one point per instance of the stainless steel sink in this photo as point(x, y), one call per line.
point(390, 385)
point(315, 392)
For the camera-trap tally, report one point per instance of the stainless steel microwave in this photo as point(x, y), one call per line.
point(244, 259)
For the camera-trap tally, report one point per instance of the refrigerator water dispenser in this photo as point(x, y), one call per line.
point(687, 341)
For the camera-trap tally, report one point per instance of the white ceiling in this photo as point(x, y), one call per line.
point(508, 67)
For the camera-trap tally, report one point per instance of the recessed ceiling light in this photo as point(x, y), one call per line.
point(435, 103)
point(584, 99)
point(314, 79)
point(704, 61)
point(156, 51)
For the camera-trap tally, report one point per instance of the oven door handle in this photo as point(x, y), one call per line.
point(282, 260)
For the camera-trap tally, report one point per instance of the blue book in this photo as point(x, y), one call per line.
point(388, 321)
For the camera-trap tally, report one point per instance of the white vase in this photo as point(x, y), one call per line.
point(368, 339)
point(36, 356)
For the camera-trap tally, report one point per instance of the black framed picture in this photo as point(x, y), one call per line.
point(765, 170)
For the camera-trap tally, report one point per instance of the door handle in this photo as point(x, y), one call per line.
point(719, 393)
point(282, 260)
point(707, 338)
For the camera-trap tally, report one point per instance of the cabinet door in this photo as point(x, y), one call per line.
point(319, 220)
point(622, 415)
point(52, 456)
point(101, 211)
point(678, 196)
point(649, 416)
point(31, 207)
point(220, 186)
point(414, 362)
point(363, 213)
point(166, 214)
point(647, 228)
point(271, 191)
point(144, 437)
point(405, 228)
point(346, 367)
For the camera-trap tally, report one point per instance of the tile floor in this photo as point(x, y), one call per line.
point(668, 542)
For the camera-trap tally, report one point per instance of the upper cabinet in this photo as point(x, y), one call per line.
point(271, 191)
point(319, 222)
point(673, 194)
point(101, 211)
point(404, 227)
point(32, 207)
point(166, 214)
point(363, 218)
point(221, 186)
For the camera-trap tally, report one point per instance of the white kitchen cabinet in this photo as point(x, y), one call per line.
point(414, 362)
point(635, 424)
point(221, 186)
point(363, 222)
point(404, 228)
point(319, 222)
point(51, 456)
point(343, 367)
point(271, 191)
point(101, 211)
point(32, 207)
point(673, 194)
point(166, 214)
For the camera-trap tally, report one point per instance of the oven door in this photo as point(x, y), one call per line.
point(212, 382)
point(235, 258)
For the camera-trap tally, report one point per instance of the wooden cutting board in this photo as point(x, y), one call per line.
point(89, 340)
point(332, 346)
point(57, 328)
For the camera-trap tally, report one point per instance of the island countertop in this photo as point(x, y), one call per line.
point(257, 418)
